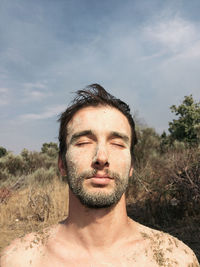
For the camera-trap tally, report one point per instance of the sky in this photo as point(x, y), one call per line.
point(145, 52)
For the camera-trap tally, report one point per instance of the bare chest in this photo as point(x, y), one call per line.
point(117, 259)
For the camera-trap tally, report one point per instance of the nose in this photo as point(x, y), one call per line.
point(100, 159)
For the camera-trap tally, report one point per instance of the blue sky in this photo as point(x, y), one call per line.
point(145, 52)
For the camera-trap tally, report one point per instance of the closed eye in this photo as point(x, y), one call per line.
point(118, 144)
point(83, 143)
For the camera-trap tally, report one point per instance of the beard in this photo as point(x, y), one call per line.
point(96, 200)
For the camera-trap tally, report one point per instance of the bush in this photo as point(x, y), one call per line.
point(186, 127)
point(41, 176)
point(148, 145)
point(35, 160)
point(3, 151)
point(14, 165)
point(51, 149)
point(15, 170)
point(167, 188)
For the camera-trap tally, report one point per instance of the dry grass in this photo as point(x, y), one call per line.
point(164, 192)
point(31, 209)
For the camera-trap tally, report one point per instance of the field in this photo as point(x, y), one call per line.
point(164, 193)
point(32, 209)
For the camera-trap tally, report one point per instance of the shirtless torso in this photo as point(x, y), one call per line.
point(146, 247)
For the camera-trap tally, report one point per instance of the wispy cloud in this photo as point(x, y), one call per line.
point(144, 52)
point(175, 34)
point(4, 90)
point(35, 95)
point(48, 113)
point(35, 91)
point(38, 85)
point(4, 96)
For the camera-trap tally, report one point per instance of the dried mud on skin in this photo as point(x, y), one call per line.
point(156, 246)
point(40, 238)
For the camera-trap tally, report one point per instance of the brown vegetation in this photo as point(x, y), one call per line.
point(164, 192)
point(31, 209)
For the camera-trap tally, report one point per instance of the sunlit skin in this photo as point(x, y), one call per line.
point(98, 143)
point(102, 147)
point(105, 147)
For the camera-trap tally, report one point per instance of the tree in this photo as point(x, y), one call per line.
point(3, 151)
point(51, 149)
point(147, 146)
point(187, 127)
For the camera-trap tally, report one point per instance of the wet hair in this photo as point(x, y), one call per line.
point(93, 95)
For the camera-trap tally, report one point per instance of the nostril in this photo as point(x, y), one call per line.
point(100, 158)
point(101, 163)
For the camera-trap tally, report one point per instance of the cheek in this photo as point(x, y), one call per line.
point(121, 161)
point(79, 159)
point(82, 159)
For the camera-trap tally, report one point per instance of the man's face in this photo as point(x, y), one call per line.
point(98, 155)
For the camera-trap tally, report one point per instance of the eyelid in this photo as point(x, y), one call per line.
point(83, 140)
point(82, 143)
point(118, 144)
point(118, 140)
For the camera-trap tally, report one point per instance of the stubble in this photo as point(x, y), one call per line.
point(100, 198)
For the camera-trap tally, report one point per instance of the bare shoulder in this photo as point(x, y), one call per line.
point(25, 251)
point(21, 252)
point(167, 249)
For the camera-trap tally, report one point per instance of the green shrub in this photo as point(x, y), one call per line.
point(186, 127)
point(3, 151)
point(148, 145)
point(51, 149)
point(167, 188)
point(41, 176)
point(14, 165)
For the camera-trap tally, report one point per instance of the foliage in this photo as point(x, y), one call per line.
point(164, 189)
point(51, 149)
point(3, 151)
point(14, 165)
point(187, 127)
point(31, 209)
point(42, 176)
point(18, 170)
point(147, 146)
point(167, 188)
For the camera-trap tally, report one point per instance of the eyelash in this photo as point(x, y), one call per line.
point(81, 144)
point(86, 143)
point(120, 145)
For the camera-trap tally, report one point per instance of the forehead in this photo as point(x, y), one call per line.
point(100, 119)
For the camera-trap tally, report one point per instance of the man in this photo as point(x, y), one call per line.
point(97, 137)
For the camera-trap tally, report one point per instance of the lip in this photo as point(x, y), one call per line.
point(100, 179)
point(101, 176)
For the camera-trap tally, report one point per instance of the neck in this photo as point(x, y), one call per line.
point(97, 227)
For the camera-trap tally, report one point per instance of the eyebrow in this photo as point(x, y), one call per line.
point(77, 135)
point(122, 136)
point(113, 134)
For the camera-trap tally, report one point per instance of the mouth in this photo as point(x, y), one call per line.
point(100, 179)
point(101, 176)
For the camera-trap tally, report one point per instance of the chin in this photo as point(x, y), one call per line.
point(99, 200)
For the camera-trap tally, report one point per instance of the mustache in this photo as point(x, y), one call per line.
point(92, 173)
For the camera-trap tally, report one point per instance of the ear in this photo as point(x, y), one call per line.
point(61, 166)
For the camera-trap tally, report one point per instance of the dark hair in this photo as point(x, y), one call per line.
point(93, 95)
